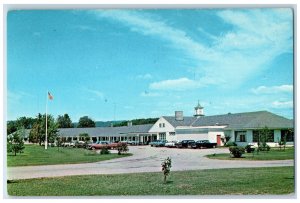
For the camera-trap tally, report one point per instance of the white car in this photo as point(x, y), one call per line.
point(171, 144)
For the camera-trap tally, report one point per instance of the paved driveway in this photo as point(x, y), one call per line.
point(144, 159)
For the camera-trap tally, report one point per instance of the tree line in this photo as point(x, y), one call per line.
point(62, 121)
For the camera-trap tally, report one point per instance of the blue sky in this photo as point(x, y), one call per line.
point(127, 64)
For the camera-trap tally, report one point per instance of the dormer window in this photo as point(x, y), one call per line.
point(162, 125)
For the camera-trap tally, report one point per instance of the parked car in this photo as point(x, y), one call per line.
point(159, 143)
point(171, 144)
point(98, 145)
point(68, 144)
point(153, 142)
point(102, 144)
point(80, 144)
point(133, 142)
point(250, 148)
point(204, 144)
point(185, 144)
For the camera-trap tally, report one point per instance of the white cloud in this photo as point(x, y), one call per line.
point(96, 93)
point(257, 37)
point(176, 84)
point(273, 89)
point(146, 76)
point(17, 96)
point(282, 104)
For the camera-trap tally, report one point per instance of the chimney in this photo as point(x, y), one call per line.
point(179, 115)
point(129, 123)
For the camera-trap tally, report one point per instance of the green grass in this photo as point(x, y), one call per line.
point(241, 181)
point(37, 155)
point(273, 154)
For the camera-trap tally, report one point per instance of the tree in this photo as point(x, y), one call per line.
point(166, 168)
point(38, 131)
point(22, 122)
point(15, 143)
point(25, 122)
point(64, 121)
point(11, 127)
point(86, 122)
point(58, 142)
point(84, 137)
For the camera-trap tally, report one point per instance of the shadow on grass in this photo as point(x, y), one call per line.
point(168, 182)
point(12, 181)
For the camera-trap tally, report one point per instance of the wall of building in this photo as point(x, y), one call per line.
point(163, 126)
point(212, 136)
point(195, 137)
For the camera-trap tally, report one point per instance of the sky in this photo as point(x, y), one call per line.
point(127, 64)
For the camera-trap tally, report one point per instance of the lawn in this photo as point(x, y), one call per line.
point(239, 181)
point(273, 154)
point(37, 155)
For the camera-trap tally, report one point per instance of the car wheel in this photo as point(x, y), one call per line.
point(214, 146)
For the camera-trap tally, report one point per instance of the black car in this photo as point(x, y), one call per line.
point(204, 144)
point(185, 144)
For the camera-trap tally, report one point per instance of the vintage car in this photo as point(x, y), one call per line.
point(171, 144)
point(185, 144)
point(204, 144)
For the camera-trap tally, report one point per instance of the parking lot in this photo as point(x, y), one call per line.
point(144, 159)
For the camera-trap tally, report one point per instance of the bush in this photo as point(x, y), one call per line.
point(230, 144)
point(104, 150)
point(264, 147)
point(237, 151)
point(249, 148)
point(122, 147)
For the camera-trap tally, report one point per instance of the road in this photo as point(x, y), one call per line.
point(144, 159)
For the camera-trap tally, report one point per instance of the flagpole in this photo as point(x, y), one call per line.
point(46, 141)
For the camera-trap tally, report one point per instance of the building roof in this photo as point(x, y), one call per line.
point(187, 120)
point(104, 131)
point(247, 120)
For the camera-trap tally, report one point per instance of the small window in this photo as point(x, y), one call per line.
point(162, 125)
point(172, 133)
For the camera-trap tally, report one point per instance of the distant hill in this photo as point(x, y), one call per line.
point(102, 123)
point(140, 121)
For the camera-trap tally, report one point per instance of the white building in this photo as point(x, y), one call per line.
point(242, 128)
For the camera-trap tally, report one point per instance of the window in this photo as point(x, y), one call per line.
point(162, 125)
point(172, 133)
point(162, 136)
point(259, 135)
point(240, 136)
point(289, 135)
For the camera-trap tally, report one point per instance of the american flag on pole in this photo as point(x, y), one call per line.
point(50, 96)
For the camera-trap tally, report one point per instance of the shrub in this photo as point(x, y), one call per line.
point(122, 147)
point(166, 167)
point(237, 151)
point(104, 150)
point(230, 144)
point(249, 148)
point(264, 147)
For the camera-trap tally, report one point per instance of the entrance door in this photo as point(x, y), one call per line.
point(219, 140)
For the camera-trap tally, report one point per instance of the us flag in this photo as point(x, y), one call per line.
point(50, 96)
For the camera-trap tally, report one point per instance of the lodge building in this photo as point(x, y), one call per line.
point(241, 128)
